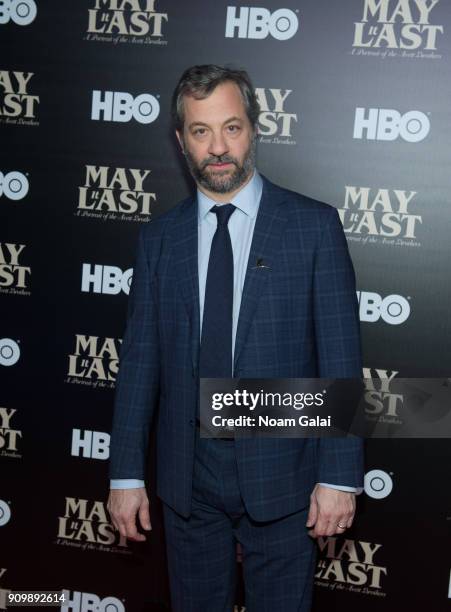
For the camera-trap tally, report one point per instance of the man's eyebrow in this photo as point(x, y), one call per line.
point(233, 119)
point(194, 123)
point(201, 123)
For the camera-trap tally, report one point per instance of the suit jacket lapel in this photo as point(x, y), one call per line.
point(185, 249)
point(269, 226)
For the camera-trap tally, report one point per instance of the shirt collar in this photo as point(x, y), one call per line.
point(247, 199)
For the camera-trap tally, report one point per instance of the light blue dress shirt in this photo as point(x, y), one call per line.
point(241, 229)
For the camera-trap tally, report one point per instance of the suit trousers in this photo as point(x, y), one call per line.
point(278, 556)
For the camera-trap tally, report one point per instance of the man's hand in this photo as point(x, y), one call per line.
point(329, 508)
point(123, 504)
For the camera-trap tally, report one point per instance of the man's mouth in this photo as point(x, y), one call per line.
point(220, 165)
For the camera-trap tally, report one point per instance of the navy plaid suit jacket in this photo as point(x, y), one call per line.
point(298, 318)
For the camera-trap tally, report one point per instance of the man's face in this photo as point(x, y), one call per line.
point(218, 140)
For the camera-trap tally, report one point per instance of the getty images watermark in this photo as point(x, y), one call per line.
point(325, 407)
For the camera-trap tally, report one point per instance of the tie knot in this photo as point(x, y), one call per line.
point(223, 213)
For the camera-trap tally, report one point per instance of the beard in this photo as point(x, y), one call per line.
point(222, 181)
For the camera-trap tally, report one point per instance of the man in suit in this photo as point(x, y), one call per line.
point(249, 280)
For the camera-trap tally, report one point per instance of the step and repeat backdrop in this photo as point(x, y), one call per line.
point(355, 111)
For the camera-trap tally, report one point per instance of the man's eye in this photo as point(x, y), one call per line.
point(199, 131)
point(233, 128)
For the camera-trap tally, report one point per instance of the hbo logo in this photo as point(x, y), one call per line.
point(5, 513)
point(121, 106)
point(393, 309)
point(378, 484)
point(259, 22)
point(389, 124)
point(21, 12)
point(9, 352)
point(13, 185)
point(106, 279)
point(90, 602)
point(93, 444)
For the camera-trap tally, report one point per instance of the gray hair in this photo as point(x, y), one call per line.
point(200, 81)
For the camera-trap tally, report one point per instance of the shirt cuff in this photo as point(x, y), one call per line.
point(356, 490)
point(126, 483)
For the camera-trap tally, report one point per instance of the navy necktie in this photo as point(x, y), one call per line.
point(215, 358)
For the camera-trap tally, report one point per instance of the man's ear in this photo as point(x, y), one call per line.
point(180, 139)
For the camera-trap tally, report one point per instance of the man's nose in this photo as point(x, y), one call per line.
point(218, 145)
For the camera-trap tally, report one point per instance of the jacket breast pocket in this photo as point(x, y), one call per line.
point(286, 284)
